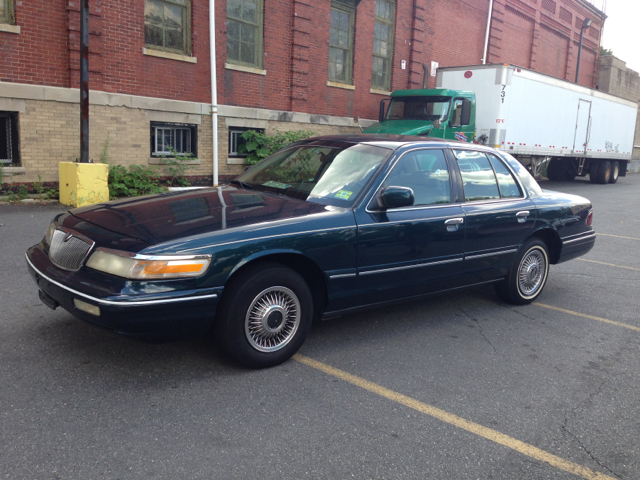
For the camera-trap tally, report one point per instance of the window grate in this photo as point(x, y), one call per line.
point(549, 5)
point(168, 139)
point(566, 15)
point(235, 140)
point(167, 25)
point(9, 139)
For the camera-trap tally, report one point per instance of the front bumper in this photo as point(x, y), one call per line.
point(149, 314)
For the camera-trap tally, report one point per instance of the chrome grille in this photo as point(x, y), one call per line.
point(68, 250)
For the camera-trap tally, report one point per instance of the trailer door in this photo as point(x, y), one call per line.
point(583, 125)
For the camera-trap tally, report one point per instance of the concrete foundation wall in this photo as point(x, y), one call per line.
point(49, 130)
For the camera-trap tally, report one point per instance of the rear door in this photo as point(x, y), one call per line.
point(583, 125)
point(413, 250)
point(498, 215)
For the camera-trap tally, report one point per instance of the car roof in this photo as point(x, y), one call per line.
point(385, 140)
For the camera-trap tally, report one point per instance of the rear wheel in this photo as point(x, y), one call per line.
point(528, 275)
point(555, 171)
point(615, 170)
point(264, 316)
point(600, 172)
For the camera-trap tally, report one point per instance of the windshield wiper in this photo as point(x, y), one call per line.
point(247, 186)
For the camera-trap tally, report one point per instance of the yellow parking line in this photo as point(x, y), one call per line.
point(570, 312)
point(456, 421)
point(618, 236)
point(609, 264)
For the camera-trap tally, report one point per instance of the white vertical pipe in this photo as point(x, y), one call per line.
point(486, 37)
point(214, 87)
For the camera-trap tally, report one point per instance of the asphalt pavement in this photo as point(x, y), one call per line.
point(459, 386)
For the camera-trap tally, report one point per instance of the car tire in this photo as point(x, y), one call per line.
point(555, 171)
point(264, 316)
point(528, 274)
point(600, 172)
point(615, 171)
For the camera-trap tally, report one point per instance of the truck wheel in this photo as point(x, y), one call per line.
point(615, 169)
point(264, 316)
point(600, 172)
point(555, 171)
point(528, 274)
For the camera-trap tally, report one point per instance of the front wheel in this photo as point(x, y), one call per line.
point(528, 275)
point(264, 316)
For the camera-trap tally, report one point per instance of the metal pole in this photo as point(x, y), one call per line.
point(214, 88)
point(84, 81)
point(486, 37)
point(579, 54)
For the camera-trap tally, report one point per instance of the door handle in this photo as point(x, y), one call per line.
point(522, 216)
point(453, 223)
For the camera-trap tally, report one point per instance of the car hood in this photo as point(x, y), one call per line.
point(162, 218)
point(403, 127)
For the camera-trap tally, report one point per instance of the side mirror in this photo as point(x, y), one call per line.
point(381, 112)
point(396, 197)
point(466, 112)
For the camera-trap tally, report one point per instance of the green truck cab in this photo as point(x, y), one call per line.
point(437, 112)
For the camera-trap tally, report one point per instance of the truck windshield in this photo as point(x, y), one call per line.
point(419, 108)
point(319, 174)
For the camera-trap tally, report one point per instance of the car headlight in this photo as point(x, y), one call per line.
point(49, 234)
point(148, 267)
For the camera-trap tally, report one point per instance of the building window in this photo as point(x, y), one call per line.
point(383, 44)
point(244, 32)
point(341, 41)
point(9, 139)
point(235, 140)
point(7, 12)
point(167, 25)
point(169, 139)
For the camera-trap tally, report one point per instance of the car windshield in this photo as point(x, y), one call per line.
point(419, 108)
point(319, 174)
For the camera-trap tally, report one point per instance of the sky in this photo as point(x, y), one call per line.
point(621, 30)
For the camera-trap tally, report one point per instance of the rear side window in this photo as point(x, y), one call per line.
point(478, 178)
point(426, 173)
point(508, 186)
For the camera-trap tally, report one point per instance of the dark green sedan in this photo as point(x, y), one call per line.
point(325, 227)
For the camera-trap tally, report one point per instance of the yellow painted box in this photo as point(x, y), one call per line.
point(83, 184)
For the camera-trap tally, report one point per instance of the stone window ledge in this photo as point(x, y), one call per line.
point(236, 161)
point(10, 28)
point(242, 68)
point(377, 91)
point(9, 171)
point(170, 56)
point(163, 161)
point(341, 85)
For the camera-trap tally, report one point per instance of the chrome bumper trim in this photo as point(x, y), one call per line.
point(586, 237)
point(119, 304)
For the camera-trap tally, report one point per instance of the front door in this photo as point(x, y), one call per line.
point(413, 250)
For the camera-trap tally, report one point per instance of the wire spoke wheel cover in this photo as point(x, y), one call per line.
point(272, 319)
point(532, 272)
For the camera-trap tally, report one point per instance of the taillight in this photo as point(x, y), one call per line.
point(589, 218)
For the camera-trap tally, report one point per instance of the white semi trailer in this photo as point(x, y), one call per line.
point(538, 118)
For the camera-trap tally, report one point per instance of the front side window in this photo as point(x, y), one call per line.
point(419, 108)
point(426, 173)
point(167, 25)
point(341, 43)
point(319, 174)
point(170, 139)
point(478, 178)
point(7, 12)
point(383, 44)
point(244, 32)
point(9, 139)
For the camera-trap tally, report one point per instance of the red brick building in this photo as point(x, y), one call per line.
point(281, 65)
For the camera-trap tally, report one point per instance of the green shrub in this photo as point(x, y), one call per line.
point(259, 146)
point(136, 180)
point(177, 166)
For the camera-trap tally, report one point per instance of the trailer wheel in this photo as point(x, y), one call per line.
point(555, 171)
point(600, 172)
point(615, 169)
